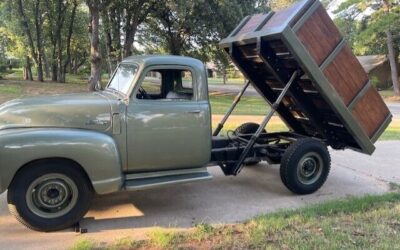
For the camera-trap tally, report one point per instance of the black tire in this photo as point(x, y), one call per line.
point(305, 166)
point(56, 181)
point(248, 128)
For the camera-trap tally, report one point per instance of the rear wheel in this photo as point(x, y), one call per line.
point(305, 166)
point(249, 128)
point(49, 195)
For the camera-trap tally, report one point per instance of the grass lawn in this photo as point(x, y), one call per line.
point(388, 95)
point(232, 81)
point(249, 105)
point(370, 222)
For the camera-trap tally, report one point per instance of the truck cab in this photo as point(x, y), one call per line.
point(166, 112)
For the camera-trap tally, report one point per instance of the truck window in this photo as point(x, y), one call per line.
point(152, 83)
point(123, 78)
point(168, 84)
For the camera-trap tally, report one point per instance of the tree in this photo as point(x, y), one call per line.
point(61, 16)
point(375, 29)
point(35, 50)
point(62, 66)
point(122, 19)
point(95, 53)
point(280, 4)
point(226, 16)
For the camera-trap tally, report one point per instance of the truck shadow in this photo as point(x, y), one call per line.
point(257, 190)
point(222, 200)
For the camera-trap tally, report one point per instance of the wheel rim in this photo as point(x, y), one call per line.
point(309, 168)
point(52, 195)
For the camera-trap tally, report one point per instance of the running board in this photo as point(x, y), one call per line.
point(163, 178)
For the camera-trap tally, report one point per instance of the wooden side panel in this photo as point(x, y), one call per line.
point(346, 75)
point(280, 17)
point(252, 24)
point(319, 35)
point(371, 111)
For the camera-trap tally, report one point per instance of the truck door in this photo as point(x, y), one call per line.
point(168, 127)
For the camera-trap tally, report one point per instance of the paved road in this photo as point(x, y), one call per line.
point(234, 89)
point(395, 109)
point(223, 200)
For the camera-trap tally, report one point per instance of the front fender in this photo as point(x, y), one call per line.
point(96, 152)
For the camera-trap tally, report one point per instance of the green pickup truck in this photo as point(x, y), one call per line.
point(151, 125)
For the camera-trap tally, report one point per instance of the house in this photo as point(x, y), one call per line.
point(378, 69)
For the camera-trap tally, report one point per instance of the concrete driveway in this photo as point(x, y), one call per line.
point(255, 191)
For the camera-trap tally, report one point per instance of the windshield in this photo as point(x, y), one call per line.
point(123, 78)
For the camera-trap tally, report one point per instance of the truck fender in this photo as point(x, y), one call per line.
point(95, 152)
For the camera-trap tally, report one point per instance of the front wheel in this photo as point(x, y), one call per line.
point(305, 166)
point(49, 195)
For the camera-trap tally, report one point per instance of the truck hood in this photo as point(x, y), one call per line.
point(84, 110)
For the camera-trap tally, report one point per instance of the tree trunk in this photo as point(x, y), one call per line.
point(224, 77)
point(28, 70)
point(27, 31)
point(109, 46)
point(40, 69)
point(95, 54)
point(129, 38)
point(70, 31)
point(54, 68)
point(59, 59)
point(393, 62)
point(175, 45)
point(117, 36)
point(56, 20)
point(39, 42)
point(46, 66)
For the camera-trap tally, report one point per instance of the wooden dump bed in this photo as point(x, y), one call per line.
point(333, 98)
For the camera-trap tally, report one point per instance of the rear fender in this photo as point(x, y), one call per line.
point(95, 152)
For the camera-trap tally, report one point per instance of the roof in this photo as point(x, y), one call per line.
point(372, 61)
point(149, 60)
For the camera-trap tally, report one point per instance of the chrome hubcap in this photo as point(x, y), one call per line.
point(309, 168)
point(52, 195)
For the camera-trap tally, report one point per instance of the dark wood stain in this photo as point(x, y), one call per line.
point(280, 17)
point(371, 112)
point(319, 35)
point(346, 75)
point(252, 24)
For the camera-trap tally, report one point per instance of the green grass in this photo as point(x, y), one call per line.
point(125, 243)
point(247, 106)
point(70, 78)
point(370, 222)
point(231, 81)
point(273, 126)
point(84, 244)
point(163, 238)
point(391, 133)
point(388, 95)
point(10, 89)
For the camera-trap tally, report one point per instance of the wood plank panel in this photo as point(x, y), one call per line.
point(319, 35)
point(371, 111)
point(280, 17)
point(252, 24)
point(346, 75)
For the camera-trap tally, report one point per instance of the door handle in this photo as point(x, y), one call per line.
point(193, 111)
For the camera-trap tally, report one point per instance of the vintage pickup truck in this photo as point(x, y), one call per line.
point(151, 125)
